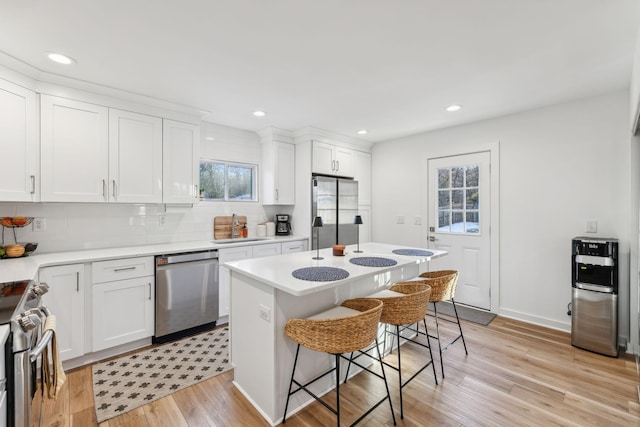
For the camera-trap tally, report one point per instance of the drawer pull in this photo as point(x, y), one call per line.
point(77, 281)
point(124, 269)
point(149, 291)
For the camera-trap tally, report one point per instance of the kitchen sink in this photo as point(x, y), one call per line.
point(238, 240)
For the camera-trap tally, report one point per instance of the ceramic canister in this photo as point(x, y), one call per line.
point(271, 228)
point(261, 230)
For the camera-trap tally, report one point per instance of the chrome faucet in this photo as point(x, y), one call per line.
point(235, 222)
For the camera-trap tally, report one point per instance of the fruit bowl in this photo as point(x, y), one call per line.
point(15, 221)
point(17, 250)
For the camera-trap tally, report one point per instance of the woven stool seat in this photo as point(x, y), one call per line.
point(443, 288)
point(405, 304)
point(347, 328)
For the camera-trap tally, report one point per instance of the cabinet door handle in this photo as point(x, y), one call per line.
point(277, 196)
point(123, 269)
point(195, 191)
point(33, 184)
point(77, 281)
point(114, 189)
point(149, 291)
point(104, 189)
point(337, 165)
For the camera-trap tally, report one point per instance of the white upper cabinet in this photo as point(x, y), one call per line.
point(329, 159)
point(181, 162)
point(278, 173)
point(92, 153)
point(74, 150)
point(135, 157)
point(362, 174)
point(19, 143)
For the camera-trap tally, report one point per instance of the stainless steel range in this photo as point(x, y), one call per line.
point(22, 318)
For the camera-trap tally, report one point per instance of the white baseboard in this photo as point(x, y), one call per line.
point(536, 320)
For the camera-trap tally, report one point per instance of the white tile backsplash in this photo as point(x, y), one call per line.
point(77, 226)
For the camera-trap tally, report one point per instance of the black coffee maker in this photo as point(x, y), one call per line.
point(283, 226)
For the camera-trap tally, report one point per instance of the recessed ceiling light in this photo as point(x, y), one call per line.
point(60, 58)
point(453, 107)
point(259, 113)
point(362, 132)
point(209, 138)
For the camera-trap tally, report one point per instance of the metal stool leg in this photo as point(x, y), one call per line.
point(399, 373)
point(459, 326)
point(338, 388)
point(435, 312)
point(295, 362)
point(433, 365)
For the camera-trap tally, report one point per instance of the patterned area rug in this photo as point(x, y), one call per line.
point(129, 382)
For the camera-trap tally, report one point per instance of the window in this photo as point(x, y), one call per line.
point(458, 199)
point(227, 181)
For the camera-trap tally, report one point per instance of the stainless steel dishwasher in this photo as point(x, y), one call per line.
point(187, 294)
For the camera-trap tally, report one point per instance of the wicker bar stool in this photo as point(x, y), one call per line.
point(443, 288)
point(405, 305)
point(348, 328)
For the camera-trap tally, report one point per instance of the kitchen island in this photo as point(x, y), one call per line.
point(265, 294)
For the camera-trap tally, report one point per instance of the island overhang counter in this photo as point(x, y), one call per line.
point(265, 294)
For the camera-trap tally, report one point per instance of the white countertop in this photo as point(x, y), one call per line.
point(26, 268)
point(276, 271)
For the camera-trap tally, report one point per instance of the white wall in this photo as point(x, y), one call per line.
point(559, 166)
point(75, 226)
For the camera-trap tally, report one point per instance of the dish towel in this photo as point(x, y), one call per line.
point(53, 376)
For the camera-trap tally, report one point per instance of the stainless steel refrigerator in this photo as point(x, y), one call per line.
point(336, 201)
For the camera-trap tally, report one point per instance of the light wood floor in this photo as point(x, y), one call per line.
point(516, 374)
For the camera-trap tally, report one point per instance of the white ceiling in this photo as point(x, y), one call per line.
point(341, 65)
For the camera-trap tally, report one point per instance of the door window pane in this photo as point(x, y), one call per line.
point(443, 220)
point(457, 177)
point(471, 201)
point(473, 222)
point(444, 199)
point(472, 175)
point(457, 221)
point(457, 199)
point(443, 178)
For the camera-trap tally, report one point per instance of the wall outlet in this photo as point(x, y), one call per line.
point(39, 224)
point(592, 226)
point(265, 313)
point(417, 220)
point(400, 219)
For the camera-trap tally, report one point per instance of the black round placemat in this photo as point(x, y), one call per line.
point(412, 252)
point(320, 274)
point(372, 261)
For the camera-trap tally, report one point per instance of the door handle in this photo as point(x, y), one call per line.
point(33, 184)
point(149, 291)
point(277, 194)
point(114, 189)
point(432, 239)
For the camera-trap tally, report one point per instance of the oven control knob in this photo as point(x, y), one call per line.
point(27, 323)
point(40, 288)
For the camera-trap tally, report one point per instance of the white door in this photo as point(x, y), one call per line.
point(459, 222)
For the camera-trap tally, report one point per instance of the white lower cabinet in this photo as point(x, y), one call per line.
point(271, 249)
point(224, 275)
point(296, 246)
point(123, 304)
point(66, 300)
